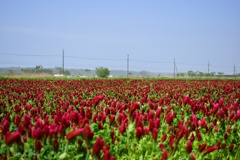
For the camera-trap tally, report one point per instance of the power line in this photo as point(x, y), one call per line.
point(190, 64)
point(109, 59)
point(203, 65)
point(46, 55)
point(148, 61)
point(105, 59)
point(208, 67)
point(63, 61)
point(234, 70)
point(31, 55)
point(174, 67)
point(127, 65)
point(222, 66)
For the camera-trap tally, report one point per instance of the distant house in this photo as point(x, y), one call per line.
point(58, 75)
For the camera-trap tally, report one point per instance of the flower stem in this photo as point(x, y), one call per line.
point(152, 148)
point(87, 157)
point(8, 152)
point(66, 146)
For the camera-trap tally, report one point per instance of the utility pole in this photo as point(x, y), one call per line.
point(208, 66)
point(63, 62)
point(127, 65)
point(234, 70)
point(174, 67)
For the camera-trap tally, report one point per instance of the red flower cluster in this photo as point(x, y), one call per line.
point(74, 133)
point(158, 109)
point(97, 147)
point(12, 137)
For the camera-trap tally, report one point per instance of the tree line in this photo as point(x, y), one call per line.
point(40, 70)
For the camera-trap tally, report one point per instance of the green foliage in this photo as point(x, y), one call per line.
point(191, 73)
point(102, 72)
point(181, 74)
point(38, 69)
point(60, 71)
point(67, 73)
point(201, 74)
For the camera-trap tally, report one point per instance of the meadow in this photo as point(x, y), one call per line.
point(119, 119)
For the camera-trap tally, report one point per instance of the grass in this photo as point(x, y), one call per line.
point(48, 76)
point(24, 75)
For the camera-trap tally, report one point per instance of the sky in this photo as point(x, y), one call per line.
point(102, 33)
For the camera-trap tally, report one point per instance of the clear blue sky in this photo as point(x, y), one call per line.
point(192, 32)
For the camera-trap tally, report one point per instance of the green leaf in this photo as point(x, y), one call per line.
point(64, 155)
point(94, 127)
point(46, 149)
point(31, 141)
point(13, 158)
point(131, 128)
point(26, 147)
point(79, 156)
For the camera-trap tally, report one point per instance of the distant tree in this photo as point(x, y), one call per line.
point(47, 71)
point(212, 74)
point(80, 75)
point(87, 71)
point(144, 73)
point(26, 70)
point(191, 73)
point(102, 72)
point(38, 69)
point(180, 74)
point(220, 73)
point(67, 73)
point(59, 69)
point(10, 71)
point(200, 74)
point(207, 74)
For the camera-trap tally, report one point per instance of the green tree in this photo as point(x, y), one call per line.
point(212, 74)
point(26, 70)
point(38, 68)
point(102, 72)
point(191, 73)
point(67, 73)
point(200, 74)
point(180, 74)
point(220, 73)
point(87, 71)
point(207, 74)
point(59, 69)
point(144, 73)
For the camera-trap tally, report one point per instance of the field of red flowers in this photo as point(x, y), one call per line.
point(119, 119)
